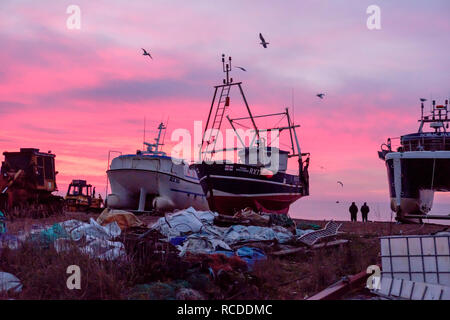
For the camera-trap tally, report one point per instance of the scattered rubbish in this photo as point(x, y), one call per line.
point(188, 294)
point(307, 226)
point(245, 217)
point(46, 237)
point(9, 282)
point(78, 229)
point(202, 244)
point(239, 233)
point(185, 222)
point(176, 241)
point(249, 217)
point(9, 241)
point(158, 290)
point(147, 246)
point(283, 221)
point(313, 247)
point(300, 232)
point(3, 229)
point(330, 230)
point(123, 218)
point(219, 262)
point(251, 255)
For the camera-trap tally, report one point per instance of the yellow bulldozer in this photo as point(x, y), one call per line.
point(81, 197)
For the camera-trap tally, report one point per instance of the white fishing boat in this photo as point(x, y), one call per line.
point(150, 181)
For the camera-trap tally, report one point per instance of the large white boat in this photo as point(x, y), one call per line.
point(150, 181)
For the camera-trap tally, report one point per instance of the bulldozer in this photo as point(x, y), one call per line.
point(27, 181)
point(81, 197)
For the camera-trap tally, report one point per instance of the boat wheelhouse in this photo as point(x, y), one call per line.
point(420, 165)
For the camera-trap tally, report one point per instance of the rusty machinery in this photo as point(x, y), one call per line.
point(27, 181)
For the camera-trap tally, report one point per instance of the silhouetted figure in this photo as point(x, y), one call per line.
point(364, 212)
point(353, 211)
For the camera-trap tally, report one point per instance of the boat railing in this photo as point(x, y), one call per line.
point(421, 143)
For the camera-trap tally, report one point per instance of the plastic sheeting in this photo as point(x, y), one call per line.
point(202, 244)
point(95, 239)
point(123, 218)
point(186, 222)
point(78, 229)
point(202, 236)
point(239, 233)
point(8, 282)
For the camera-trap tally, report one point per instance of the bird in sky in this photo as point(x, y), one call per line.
point(243, 69)
point(340, 182)
point(320, 95)
point(263, 41)
point(146, 53)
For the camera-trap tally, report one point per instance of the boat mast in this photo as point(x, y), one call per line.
point(154, 147)
point(214, 123)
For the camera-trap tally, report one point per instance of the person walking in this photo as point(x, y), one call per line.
point(364, 212)
point(353, 211)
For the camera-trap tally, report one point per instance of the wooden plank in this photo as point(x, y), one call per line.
point(314, 247)
point(334, 292)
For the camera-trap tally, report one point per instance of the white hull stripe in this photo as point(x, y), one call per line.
point(419, 155)
point(227, 194)
point(182, 191)
point(250, 179)
point(185, 178)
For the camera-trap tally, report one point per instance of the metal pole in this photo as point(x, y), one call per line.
point(249, 112)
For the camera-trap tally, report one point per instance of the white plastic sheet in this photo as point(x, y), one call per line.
point(185, 222)
point(78, 229)
point(8, 282)
point(202, 244)
point(239, 233)
point(96, 239)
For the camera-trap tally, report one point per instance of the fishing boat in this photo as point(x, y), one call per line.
point(152, 181)
point(259, 179)
point(420, 165)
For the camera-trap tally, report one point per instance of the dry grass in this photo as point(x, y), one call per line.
point(42, 271)
point(302, 275)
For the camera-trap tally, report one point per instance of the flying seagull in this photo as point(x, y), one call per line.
point(340, 182)
point(243, 69)
point(146, 53)
point(263, 41)
point(320, 95)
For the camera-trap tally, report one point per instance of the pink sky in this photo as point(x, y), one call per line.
point(81, 93)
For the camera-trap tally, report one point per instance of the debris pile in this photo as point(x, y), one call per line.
point(187, 254)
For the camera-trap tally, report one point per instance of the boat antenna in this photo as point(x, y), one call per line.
point(293, 113)
point(226, 68)
point(165, 131)
point(143, 141)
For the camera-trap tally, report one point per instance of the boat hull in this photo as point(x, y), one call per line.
point(414, 177)
point(153, 184)
point(232, 187)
